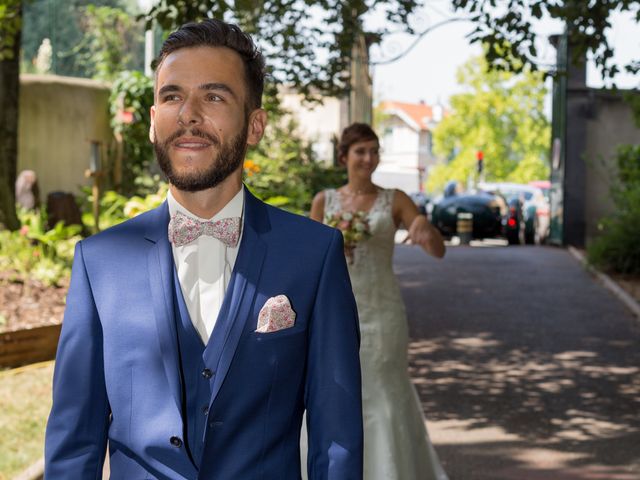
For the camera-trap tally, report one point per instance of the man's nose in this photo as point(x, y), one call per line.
point(190, 113)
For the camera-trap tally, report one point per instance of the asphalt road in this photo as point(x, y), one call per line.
point(526, 366)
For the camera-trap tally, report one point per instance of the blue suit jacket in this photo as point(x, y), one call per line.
point(117, 368)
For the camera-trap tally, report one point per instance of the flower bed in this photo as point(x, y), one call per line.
point(30, 319)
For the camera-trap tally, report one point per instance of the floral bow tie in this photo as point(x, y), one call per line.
point(184, 229)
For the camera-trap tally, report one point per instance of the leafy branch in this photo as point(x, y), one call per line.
point(508, 28)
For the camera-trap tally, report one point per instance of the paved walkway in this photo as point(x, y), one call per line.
point(527, 367)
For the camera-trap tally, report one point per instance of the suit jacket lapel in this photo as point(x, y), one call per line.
point(160, 265)
point(242, 287)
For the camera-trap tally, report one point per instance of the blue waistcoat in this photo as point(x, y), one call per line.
point(198, 364)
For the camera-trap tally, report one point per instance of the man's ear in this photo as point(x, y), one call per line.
point(257, 124)
point(152, 135)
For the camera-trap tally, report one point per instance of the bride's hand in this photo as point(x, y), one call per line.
point(422, 233)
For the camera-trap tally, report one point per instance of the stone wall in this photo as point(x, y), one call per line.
point(59, 119)
point(609, 124)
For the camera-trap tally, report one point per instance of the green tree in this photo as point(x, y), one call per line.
point(112, 38)
point(10, 30)
point(510, 30)
point(501, 114)
point(82, 34)
point(308, 43)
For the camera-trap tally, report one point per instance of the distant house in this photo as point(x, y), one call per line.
point(407, 145)
point(319, 124)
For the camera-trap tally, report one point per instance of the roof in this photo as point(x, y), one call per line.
point(417, 115)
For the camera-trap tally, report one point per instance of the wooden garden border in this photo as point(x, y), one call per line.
point(32, 345)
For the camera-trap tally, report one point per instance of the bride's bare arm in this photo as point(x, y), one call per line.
point(317, 207)
point(421, 232)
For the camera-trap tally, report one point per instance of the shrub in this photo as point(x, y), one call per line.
point(617, 249)
point(116, 208)
point(37, 253)
point(282, 170)
point(47, 255)
point(130, 102)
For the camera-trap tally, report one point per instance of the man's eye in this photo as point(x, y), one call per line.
point(171, 98)
point(212, 97)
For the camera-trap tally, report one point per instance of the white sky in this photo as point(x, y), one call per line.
point(428, 71)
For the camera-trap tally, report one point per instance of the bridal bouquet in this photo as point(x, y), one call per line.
point(354, 227)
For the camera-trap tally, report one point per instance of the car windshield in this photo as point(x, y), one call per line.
point(511, 194)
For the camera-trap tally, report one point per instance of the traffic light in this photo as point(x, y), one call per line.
point(480, 158)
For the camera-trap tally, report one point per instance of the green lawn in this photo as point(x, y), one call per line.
point(25, 401)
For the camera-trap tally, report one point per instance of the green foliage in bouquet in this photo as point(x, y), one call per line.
point(617, 248)
point(354, 227)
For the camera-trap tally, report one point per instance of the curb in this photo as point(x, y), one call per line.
point(631, 303)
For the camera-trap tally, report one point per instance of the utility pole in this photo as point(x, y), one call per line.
point(361, 91)
point(149, 39)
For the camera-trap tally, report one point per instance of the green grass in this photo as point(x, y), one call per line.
point(25, 401)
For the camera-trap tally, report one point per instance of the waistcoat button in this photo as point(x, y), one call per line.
point(175, 441)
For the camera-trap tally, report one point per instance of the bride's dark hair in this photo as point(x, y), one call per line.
point(354, 133)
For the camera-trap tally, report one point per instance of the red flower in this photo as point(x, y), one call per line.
point(125, 116)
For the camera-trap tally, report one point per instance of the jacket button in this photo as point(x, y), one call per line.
point(175, 441)
point(206, 373)
point(205, 410)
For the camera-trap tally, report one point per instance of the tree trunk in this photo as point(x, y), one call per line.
point(9, 95)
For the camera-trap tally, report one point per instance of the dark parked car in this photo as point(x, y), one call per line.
point(421, 200)
point(529, 211)
point(489, 212)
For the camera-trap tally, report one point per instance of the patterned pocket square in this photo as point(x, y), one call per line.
point(276, 314)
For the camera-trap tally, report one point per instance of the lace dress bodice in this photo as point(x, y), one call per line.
point(376, 252)
point(380, 308)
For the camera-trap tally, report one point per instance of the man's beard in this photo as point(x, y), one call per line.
point(226, 160)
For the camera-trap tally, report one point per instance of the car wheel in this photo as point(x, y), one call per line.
point(517, 237)
point(522, 230)
point(532, 235)
point(513, 237)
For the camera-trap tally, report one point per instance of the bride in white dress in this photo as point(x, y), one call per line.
point(396, 443)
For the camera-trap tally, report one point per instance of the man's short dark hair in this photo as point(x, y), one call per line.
point(216, 33)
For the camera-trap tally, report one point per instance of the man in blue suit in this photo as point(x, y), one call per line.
point(196, 334)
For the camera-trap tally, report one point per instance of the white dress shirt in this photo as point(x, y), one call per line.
point(204, 267)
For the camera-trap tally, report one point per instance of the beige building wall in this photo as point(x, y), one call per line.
point(59, 118)
point(398, 166)
point(318, 123)
point(610, 124)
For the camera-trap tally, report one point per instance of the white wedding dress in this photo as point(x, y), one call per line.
point(396, 443)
